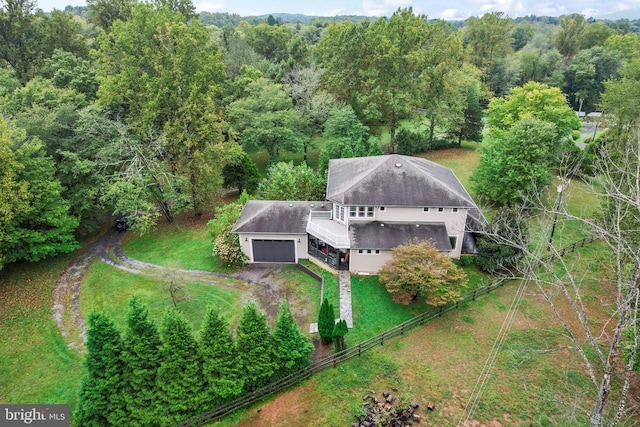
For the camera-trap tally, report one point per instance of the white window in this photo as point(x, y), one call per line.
point(352, 211)
point(337, 214)
point(381, 208)
point(370, 212)
point(440, 209)
point(425, 209)
point(377, 251)
point(454, 210)
point(341, 213)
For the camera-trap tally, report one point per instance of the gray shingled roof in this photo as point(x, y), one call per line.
point(394, 180)
point(387, 235)
point(276, 217)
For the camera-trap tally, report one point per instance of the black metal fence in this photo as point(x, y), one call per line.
point(351, 352)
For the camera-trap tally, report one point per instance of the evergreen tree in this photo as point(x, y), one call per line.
point(471, 128)
point(221, 364)
point(375, 149)
point(292, 349)
point(101, 394)
point(180, 382)
point(360, 150)
point(255, 348)
point(141, 358)
point(326, 322)
point(495, 254)
point(339, 332)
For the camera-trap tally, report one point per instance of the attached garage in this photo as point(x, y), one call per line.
point(272, 250)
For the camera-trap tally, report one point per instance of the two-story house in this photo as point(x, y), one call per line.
point(373, 205)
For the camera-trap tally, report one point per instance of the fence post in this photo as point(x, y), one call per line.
point(382, 339)
point(440, 310)
point(473, 297)
point(402, 330)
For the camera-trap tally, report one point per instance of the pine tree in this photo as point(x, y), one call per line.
point(255, 348)
point(292, 349)
point(180, 383)
point(101, 399)
point(141, 357)
point(375, 149)
point(221, 364)
point(326, 322)
point(339, 332)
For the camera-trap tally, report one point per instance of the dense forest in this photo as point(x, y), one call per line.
point(147, 109)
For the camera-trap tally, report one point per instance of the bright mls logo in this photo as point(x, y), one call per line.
point(36, 415)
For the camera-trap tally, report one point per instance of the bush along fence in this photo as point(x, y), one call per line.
point(335, 359)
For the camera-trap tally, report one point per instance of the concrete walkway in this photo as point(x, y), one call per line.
point(346, 311)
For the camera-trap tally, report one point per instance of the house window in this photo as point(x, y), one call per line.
point(369, 251)
point(337, 214)
point(370, 212)
point(425, 209)
point(352, 211)
point(341, 213)
point(361, 211)
point(454, 241)
point(440, 209)
point(454, 210)
point(381, 208)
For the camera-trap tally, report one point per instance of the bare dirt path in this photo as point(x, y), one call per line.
point(259, 282)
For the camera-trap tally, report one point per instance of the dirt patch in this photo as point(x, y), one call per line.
point(286, 409)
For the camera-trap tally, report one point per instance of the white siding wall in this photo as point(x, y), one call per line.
point(301, 248)
point(367, 263)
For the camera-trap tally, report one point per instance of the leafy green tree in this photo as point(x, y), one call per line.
point(163, 76)
point(180, 382)
point(19, 37)
point(241, 174)
point(14, 193)
point(100, 401)
point(417, 269)
point(496, 253)
point(374, 67)
point(141, 357)
point(339, 331)
point(471, 125)
point(291, 348)
point(140, 186)
point(343, 123)
point(45, 228)
point(103, 13)
point(287, 182)
point(489, 42)
point(269, 41)
point(184, 7)
point(255, 348)
point(66, 70)
point(326, 322)
point(516, 164)
point(221, 360)
point(265, 118)
point(585, 76)
point(533, 100)
point(628, 45)
point(410, 142)
point(567, 40)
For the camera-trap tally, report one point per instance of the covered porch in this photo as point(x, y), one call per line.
point(322, 251)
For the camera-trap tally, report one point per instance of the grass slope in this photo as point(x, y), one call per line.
point(35, 364)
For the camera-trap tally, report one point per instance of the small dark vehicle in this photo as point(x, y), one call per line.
point(122, 224)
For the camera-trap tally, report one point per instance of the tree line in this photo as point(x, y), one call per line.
point(162, 375)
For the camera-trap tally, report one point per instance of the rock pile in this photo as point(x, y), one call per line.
point(386, 412)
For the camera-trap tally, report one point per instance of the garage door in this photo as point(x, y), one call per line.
point(273, 250)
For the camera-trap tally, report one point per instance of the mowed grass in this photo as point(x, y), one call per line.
point(108, 290)
point(184, 245)
point(36, 366)
point(534, 381)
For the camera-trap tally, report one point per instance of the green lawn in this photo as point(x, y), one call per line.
point(36, 366)
point(175, 246)
point(111, 296)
